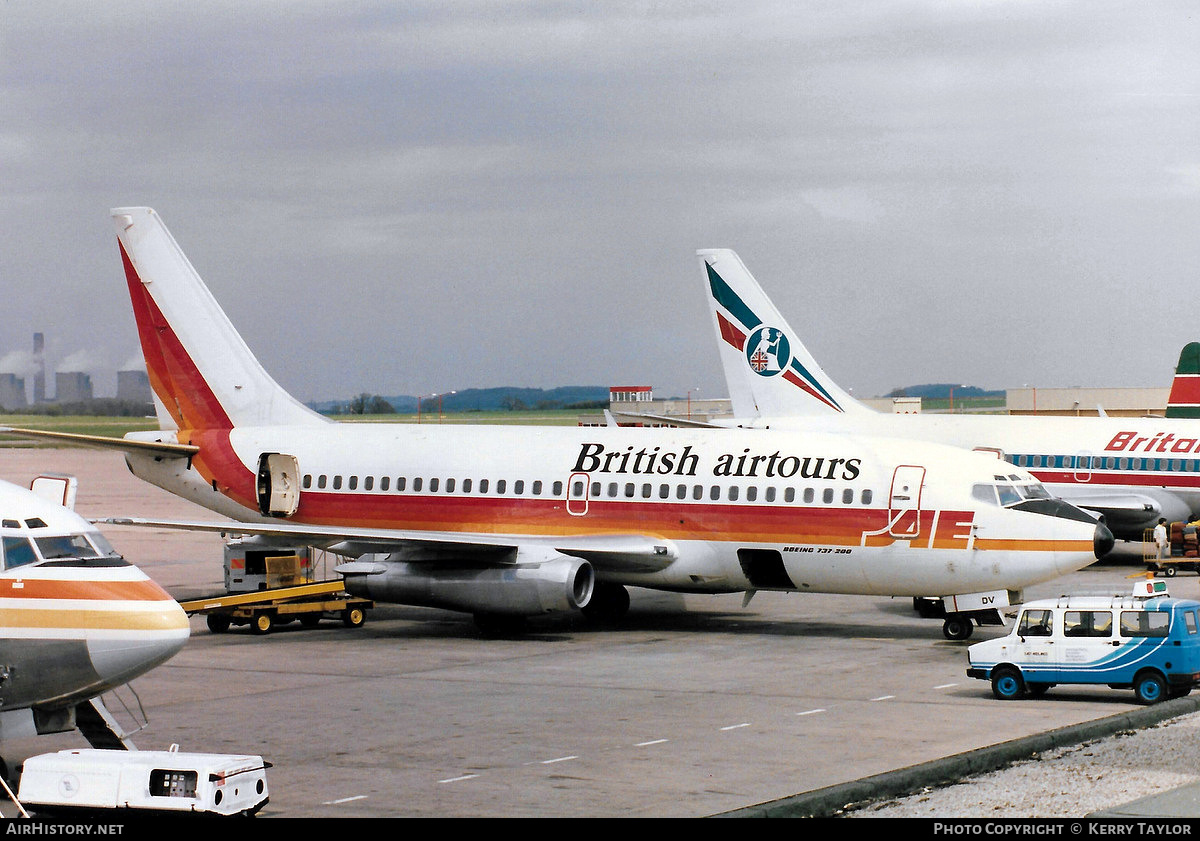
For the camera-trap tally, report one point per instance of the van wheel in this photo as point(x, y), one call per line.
point(1007, 684)
point(1149, 687)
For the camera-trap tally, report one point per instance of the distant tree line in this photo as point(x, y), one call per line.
point(368, 404)
point(109, 407)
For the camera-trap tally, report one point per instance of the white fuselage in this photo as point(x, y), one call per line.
point(1076, 458)
point(740, 510)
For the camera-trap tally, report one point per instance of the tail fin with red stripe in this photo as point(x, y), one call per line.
point(203, 374)
point(1184, 401)
point(768, 370)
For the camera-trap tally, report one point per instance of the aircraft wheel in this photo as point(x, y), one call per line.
point(498, 625)
point(218, 623)
point(353, 617)
point(957, 627)
point(263, 623)
point(1149, 687)
point(1007, 683)
point(609, 602)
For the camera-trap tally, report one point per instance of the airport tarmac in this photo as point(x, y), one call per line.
point(692, 706)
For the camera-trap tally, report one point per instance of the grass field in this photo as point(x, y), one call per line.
point(116, 427)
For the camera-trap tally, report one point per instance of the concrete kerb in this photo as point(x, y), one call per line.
point(830, 801)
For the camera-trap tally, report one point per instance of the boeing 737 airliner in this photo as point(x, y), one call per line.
point(514, 522)
point(1130, 470)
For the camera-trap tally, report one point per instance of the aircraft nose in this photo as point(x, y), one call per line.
point(151, 636)
point(1103, 542)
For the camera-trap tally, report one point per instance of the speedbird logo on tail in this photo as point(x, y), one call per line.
point(766, 348)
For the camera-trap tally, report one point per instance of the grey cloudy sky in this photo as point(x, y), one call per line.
point(422, 196)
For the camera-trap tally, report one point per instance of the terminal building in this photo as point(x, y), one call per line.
point(637, 406)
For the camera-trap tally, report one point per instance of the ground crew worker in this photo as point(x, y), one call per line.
point(1160, 539)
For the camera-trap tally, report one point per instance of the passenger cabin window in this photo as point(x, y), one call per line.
point(1144, 623)
point(1036, 623)
point(1189, 619)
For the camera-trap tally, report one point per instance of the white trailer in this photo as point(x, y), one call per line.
point(164, 782)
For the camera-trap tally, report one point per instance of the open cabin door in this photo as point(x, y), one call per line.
point(904, 504)
point(278, 485)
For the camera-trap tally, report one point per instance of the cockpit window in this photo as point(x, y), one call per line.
point(65, 546)
point(18, 551)
point(101, 543)
point(1009, 490)
point(1008, 495)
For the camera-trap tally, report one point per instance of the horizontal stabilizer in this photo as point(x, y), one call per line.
point(160, 448)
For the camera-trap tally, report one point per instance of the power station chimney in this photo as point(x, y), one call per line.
point(39, 361)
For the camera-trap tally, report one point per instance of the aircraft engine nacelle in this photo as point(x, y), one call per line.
point(556, 585)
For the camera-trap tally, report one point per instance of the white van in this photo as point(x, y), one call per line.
point(143, 781)
point(1147, 642)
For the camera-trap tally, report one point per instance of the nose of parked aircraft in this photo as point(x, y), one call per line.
point(149, 636)
point(1103, 542)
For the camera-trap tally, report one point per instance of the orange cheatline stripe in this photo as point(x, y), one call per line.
point(1034, 545)
point(37, 588)
point(94, 620)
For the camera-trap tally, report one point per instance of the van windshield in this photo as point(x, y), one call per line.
point(1036, 623)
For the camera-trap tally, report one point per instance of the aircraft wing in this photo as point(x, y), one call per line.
point(1123, 512)
point(607, 553)
point(163, 448)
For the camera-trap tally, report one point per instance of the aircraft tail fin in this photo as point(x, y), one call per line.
point(768, 370)
point(203, 374)
point(1184, 400)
